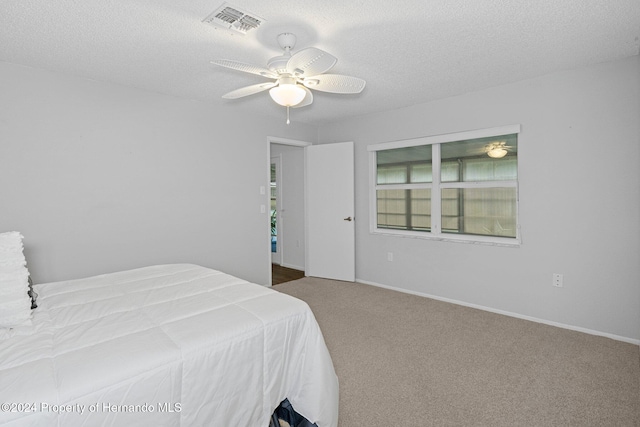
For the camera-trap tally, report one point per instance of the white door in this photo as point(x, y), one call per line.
point(330, 211)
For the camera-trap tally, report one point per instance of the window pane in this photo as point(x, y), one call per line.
point(450, 172)
point(398, 165)
point(392, 174)
point(477, 164)
point(404, 209)
point(421, 173)
point(450, 211)
point(421, 209)
point(490, 169)
point(392, 209)
point(418, 153)
point(480, 211)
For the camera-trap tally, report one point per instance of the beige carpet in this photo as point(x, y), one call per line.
point(404, 360)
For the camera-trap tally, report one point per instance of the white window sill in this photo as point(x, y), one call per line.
point(469, 239)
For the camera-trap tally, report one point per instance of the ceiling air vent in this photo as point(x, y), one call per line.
point(233, 18)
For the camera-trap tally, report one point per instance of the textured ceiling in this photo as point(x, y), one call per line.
point(409, 52)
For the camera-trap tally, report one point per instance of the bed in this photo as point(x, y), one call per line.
point(166, 345)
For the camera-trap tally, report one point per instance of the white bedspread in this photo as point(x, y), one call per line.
point(169, 345)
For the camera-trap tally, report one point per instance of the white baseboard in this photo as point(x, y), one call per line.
point(506, 313)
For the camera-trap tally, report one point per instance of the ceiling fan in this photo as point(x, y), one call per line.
point(497, 149)
point(294, 75)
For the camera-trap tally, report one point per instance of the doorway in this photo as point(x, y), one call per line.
point(287, 214)
point(315, 222)
point(277, 236)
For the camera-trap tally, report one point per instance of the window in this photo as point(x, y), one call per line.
point(461, 186)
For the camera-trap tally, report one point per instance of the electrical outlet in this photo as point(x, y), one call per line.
point(389, 256)
point(557, 280)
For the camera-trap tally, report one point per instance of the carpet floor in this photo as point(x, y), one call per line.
point(405, 360)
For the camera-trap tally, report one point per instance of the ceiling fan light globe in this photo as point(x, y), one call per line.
point(496, 153)
point(287, 95)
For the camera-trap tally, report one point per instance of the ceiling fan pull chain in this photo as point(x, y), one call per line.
point(288, 121)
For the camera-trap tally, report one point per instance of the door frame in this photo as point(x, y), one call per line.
point(281, 141)
point(277, 256)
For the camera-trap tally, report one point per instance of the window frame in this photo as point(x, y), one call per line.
point(436, 187)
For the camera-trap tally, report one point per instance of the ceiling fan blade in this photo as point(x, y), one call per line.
point(308, 99)
point(310, 61)
point(334, 83)
point(248, 90)
point(247, 68)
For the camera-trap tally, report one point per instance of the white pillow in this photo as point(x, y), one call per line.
point(15, 303)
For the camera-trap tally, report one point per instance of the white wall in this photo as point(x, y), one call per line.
point(578, 159)
point(292, 193)
point(100, 177)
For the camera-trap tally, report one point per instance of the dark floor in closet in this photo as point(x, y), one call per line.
point(280, 274)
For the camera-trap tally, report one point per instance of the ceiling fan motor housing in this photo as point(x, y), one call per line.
point(287, 41)
point(278, 64)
